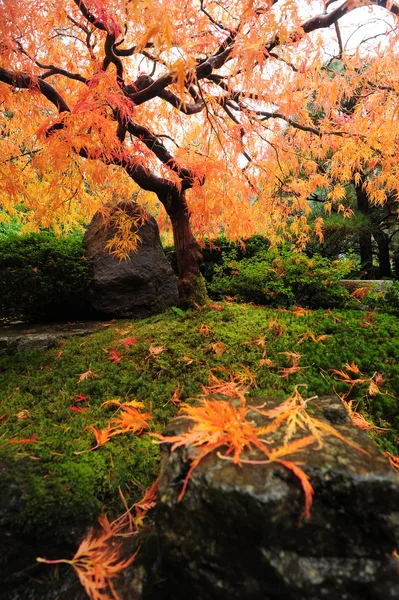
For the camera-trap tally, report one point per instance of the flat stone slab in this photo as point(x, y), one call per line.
point(23, 337)
point(377, 285)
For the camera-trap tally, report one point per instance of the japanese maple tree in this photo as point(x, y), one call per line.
point(185, 102)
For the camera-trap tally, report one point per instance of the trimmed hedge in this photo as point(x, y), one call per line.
point(43, 277)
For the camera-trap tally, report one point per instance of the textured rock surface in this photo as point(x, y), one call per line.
point(28, 337)
point(237, 533)
point(377, 285)
point(142, 285)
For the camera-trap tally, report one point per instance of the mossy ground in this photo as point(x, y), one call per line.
point(38, 388)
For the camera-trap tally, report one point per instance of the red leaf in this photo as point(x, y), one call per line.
point(129, 341)
point(78, 409)
point(81, 397)
point(115, 356)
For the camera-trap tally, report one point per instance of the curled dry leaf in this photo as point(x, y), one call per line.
point(219, 348)
point(155, 350)
point(393, 459)
point(204, 330)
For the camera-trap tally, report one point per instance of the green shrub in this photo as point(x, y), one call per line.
point(43, 277)
point(386, 301)
point(282, 277)
point(215, 252)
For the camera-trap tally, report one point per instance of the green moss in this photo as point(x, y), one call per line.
point(60, 488)
point(193, 291)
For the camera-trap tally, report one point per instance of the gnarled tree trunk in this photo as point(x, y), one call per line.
point(191, 283)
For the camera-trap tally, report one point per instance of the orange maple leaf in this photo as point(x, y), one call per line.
point(102, 437)
point(393, 459)
point(28, 440)
point(97, 562)
point(204, 329)
point(129, 420)
point(292, 413)
point(216, 424)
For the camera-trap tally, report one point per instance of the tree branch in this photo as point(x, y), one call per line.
point(89, 15)
point(156, 146)
point(19, 80)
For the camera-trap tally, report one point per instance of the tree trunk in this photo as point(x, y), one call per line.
point(366, 250)
point(366, 254)
point(382, 240)
point(192, 288)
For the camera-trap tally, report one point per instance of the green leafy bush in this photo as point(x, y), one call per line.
point(282, 277)
point(43, 277)
point(386, 301)
point(215, 252)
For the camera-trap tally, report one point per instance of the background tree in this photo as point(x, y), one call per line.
point(190, 102)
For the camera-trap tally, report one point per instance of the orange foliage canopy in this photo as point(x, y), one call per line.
point(198, 106)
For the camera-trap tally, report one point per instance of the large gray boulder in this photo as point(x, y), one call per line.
point(237, 533)
point(140, 286)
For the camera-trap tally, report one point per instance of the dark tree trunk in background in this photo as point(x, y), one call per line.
point(382, 240)
point(365, 241)
point(396, 263)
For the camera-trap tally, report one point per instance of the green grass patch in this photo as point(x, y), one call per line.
point(62, 489)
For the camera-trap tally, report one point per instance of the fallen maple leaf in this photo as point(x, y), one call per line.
point(309, 335)
point(216, 424)
point(129, 523)
point(155, 350)
point(175, 399)
point(352, 368)
point(394, 460)
point(115, 356)
point(22, 414)
point(128, 341)
point(295, 368)
point(97, 562)
point(204, 330)
point(219, 348)
point(78, 409)
point(373, 389)
point(265, 362)
point(28, 440)
point(102, 437)
point(187, 360)
point(215, 306)
point(129, 420)
point(299, 311)
point(80, 397)
point(87, 375)
point(275, 327)
point(292, 412)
